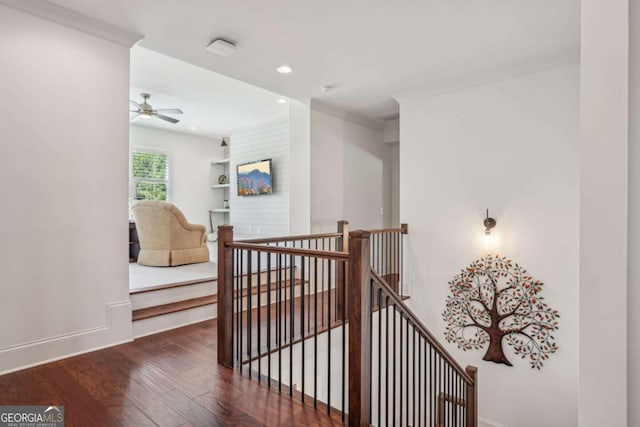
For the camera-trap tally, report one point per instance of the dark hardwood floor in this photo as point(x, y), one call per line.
point(167, 379)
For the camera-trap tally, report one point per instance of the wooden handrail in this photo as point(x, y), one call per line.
point(404, 229)
point(416, 323)
point(289, 251)
point(293, 238)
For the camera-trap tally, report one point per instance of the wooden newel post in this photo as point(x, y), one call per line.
point(225, 296)
point(472, 397)
point(359, 312)
point(342, 244)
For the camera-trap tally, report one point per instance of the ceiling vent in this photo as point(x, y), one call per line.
point(222, 47)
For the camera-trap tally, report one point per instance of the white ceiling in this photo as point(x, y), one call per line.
point(211, 102)
point(370, 50)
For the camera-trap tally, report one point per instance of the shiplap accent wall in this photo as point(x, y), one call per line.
point(266, 215)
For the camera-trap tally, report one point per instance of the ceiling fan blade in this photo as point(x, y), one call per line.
point(134, 117)
point(166, 118)
point(170, 111)
point(135, 104)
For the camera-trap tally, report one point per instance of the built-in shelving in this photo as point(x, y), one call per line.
point(221, 167)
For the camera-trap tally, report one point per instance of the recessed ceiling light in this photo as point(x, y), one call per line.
point(193, 128)
point(282, 101)
point(284, 69)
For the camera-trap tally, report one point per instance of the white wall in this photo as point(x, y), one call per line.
point(190, 172)
point(63, 183)
point(603, 193)
point(633, 297)
point(395, 184)
point(300, 163)
point(327, 171)
point(265, 215)
point(512, 147)
point(350, 174)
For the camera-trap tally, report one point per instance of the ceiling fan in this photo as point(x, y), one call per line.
point(145, 111)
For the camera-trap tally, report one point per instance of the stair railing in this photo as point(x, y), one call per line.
point(386, 255)
point(299, 338)
point(278, 316)
point(399, 374)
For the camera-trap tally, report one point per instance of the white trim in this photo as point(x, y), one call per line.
point(485, 422)
point(72, 19)
point(478, 80)
point(169, 321)
point(345, 115)
point(117, 330)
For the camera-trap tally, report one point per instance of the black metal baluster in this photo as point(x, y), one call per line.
point(315, 332)
point(259, 318)
point(279, 320)
point(236, 323)
point(401, 367)
point(386, 359)
point(400, 266)
point(414, 382)
point(249, 309)
point(302, 342)
point(322, 295)
point(379, 356)
point(329, 342)
point(269, 319)
point(394, 366)
point(407, 368)
point(240, 311)
point(431, 386)
point(292, 284)
point(308, 290)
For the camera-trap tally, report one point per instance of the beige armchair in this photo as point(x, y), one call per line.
point(166, 237)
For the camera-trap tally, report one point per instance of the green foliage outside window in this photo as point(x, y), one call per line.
point(150, 173)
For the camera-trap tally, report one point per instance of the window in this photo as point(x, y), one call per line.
point(150, 171)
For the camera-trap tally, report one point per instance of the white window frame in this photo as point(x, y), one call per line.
point(134, 180)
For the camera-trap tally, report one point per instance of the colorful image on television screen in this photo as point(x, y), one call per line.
point(255, 178)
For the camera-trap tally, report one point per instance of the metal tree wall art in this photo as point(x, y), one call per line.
point(494, 301)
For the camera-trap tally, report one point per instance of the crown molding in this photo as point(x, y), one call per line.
point(485, 77)
point(345, 115)
point(72, 19)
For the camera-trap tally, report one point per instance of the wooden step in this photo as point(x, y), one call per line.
point(135, 291)
point(159, 310)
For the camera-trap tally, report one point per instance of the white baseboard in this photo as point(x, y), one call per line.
point(485, 422)
point(154, 325)
point(26, 355)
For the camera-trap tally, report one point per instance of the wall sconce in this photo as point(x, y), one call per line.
point(224, 143)
point(490, 240)
point(489, 223)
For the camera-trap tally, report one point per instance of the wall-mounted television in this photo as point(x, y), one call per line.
point(255, 178)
